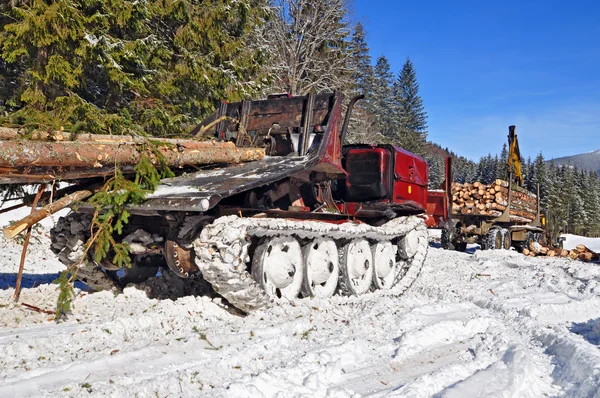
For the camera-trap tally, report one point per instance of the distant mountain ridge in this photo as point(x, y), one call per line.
point(589, 161)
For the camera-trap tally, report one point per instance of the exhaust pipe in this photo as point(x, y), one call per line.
point(348, 114)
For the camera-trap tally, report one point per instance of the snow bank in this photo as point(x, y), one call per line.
point(571, 241)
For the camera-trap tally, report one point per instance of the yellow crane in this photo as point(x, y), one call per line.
point(514, 155)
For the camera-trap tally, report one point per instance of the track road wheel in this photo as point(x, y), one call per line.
point(97, 279)
point(386, 268)
point(278, 265)
point(506, 241)
point(356, 266)
point(321, 268)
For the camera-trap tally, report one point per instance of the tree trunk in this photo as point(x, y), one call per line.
point(85, 154)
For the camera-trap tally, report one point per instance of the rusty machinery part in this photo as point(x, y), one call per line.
point(180, 260)
point(223, 252)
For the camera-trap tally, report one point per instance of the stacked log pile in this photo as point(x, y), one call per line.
point(491, 200)
point(581, 252)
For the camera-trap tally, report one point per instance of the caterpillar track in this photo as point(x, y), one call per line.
point(222, 251)
point(226, 252)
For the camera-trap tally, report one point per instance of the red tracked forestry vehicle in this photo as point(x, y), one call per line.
point(313, 218)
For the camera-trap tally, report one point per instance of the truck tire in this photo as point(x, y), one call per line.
point(493, 240)
point(506, 240)
point(446, 240)
point(529, 238)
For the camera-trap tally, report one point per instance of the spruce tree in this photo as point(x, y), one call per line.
point(412, 115)
point(382, 104)
point(361, 61)
point(436, 171)
point(129, 66)
point(540, 179)
point(530, 175)
point(502, 166)
point(592, 204)
point(555, 201)
point(363, 126)
point(578, 213)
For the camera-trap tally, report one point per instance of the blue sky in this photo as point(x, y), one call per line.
point(484, 65)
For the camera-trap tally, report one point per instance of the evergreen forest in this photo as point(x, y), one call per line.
point(157, 67)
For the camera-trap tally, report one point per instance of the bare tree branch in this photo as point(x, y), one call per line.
point(309, 42)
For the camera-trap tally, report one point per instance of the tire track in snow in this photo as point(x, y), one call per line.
point(539, 298)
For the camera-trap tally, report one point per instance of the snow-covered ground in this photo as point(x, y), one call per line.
point(487, 324)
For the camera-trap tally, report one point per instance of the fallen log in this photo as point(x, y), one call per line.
point(574, 254)
point(13, 230)
point(535, 247)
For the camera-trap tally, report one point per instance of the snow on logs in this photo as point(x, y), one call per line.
point(492, 200)
point(47, 156)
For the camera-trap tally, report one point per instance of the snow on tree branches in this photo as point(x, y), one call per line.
point(127, 66)
point(309, 45)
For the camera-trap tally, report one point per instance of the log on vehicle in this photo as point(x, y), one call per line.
point(491, 200)
point(34, 161)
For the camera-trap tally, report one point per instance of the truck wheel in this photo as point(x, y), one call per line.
point(446, 240)
point(356, 265)
point(493, 239)
point(278, 265)
point(506, 241)
point(529, 239)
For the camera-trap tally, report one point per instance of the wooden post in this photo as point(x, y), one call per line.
point(26, 244)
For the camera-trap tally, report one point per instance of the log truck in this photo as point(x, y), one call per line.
point(489, 231)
